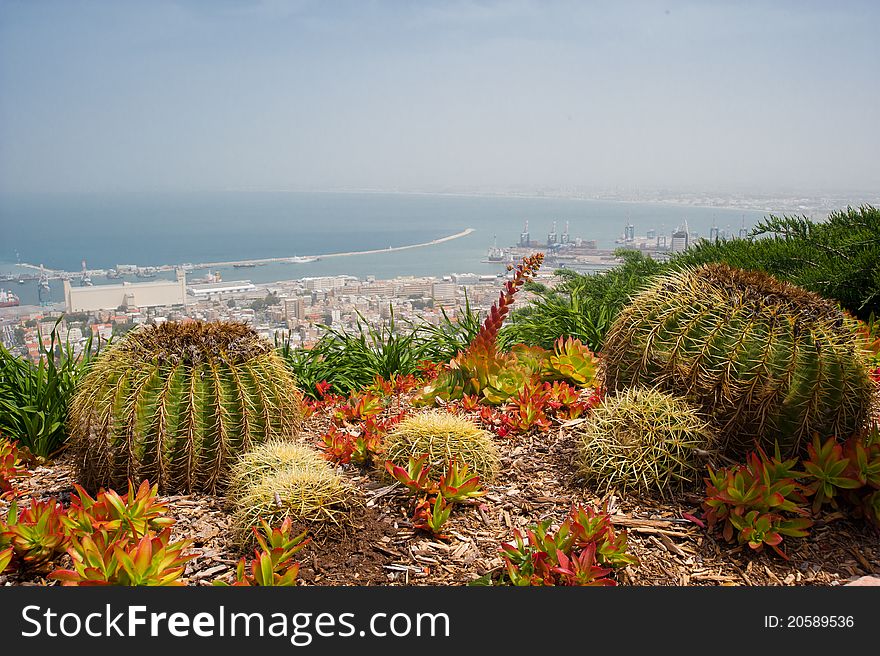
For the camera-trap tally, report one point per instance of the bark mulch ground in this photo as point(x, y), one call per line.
point(537, 481)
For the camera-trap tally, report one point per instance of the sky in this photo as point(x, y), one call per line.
point(165, 95)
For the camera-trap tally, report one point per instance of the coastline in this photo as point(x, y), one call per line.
point(283, 260)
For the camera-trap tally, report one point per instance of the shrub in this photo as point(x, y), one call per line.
point(582, 306)
point(177, 402)
point(838, 258)
point(763, 359)
point(643, 439)
point(444, 438)
point(34, 398)
point(444, 341)
point(277, 481)
point(350, 361)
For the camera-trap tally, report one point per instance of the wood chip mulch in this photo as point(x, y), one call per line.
point(537, 481)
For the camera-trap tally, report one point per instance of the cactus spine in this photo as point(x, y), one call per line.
point(766, 360)
point(177, 403)
point(646, 440)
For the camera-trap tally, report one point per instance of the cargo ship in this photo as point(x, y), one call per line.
point(8, 299)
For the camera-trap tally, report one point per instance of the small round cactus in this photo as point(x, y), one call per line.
point(177, 403)
point(444, 437)
point(644, 440)
point(281, 479)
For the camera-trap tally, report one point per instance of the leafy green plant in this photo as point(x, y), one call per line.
point(758, 529)
point(838, 258)
point(444, 341)
point(584, 550)
point(864, 458)
point(34, 398)
point(6, 556)
point(434, 499)
point(764, 360)
point(99, 559)
point(643, 439)
point(573, 362)
point(431, 514)
point(272, 564)
point(527, 409)
point(414, 477)
point(458, 485)
point(350, 361)
point(582, 306)
point(176, 403)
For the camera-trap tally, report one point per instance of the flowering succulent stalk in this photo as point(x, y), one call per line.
point(484, 343)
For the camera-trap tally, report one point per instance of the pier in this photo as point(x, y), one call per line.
point(53, 273)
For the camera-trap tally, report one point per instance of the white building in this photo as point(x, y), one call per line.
point(680, 239)
point(221, 289)
point(127, 294)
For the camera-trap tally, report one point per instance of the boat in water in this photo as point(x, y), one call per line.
point(244, 265)
point(496, 254)
point(303, 259)
point(8, 299)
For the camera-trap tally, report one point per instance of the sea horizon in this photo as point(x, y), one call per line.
point(151, 229)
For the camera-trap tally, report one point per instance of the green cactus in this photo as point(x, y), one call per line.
point(645, 440)
point(444, 437)
point(176, 403)
point(282, 479)
point(767, 361)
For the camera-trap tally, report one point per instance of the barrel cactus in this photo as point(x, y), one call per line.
point(768, 362)
point(644, 440)
point(444, 437)
point(177, 403)
point(282, 479)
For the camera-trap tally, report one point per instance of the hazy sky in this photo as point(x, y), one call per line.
point(265, 94)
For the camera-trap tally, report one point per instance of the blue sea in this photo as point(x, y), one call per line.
point(153, 229)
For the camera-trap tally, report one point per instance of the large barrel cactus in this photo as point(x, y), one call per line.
point(177, 403)
point(768, 361)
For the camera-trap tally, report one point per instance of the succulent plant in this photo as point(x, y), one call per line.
point(765, 360)
point(177, 403)
point(643, 439)
point(445, 438)
point(270, 457)
point(280, 480)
